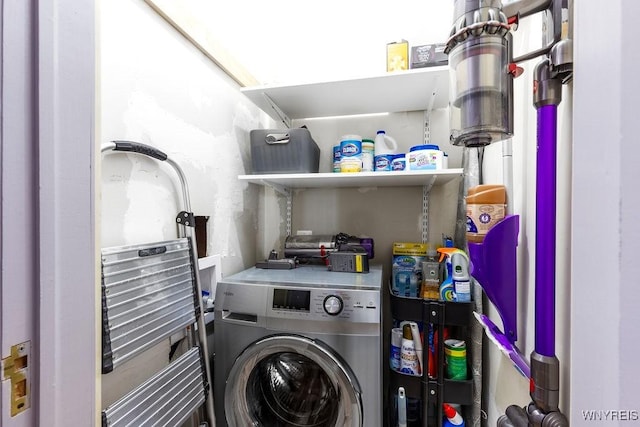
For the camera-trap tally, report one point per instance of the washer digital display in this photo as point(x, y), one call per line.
point(291, 299)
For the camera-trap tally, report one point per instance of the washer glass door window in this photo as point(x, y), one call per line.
point(290, 380)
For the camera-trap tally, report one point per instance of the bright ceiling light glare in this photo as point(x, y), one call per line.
point(353, 116)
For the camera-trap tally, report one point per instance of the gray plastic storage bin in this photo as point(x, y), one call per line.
point(284, 151)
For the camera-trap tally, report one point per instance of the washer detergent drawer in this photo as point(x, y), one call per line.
point(287, 379)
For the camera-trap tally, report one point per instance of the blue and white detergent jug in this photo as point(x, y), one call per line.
point(385, 149)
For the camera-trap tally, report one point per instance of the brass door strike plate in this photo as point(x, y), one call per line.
point(15, 368)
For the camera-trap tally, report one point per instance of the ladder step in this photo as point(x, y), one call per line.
point(147, 296)
point(167, 399)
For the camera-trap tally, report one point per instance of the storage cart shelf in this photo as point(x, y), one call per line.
point(455, 391)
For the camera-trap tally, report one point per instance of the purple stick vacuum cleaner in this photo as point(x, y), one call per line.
point(545, 367)
point(481, 111)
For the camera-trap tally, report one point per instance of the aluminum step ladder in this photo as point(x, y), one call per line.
point(149, 293)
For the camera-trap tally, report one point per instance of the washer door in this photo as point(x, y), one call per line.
point(291, 380)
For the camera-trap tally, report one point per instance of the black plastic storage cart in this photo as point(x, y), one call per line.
point(425, 395)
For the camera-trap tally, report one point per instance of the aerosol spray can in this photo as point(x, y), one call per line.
point(408, 357)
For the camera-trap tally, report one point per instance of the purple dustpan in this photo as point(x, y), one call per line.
point(506, 347)
point(494, 267)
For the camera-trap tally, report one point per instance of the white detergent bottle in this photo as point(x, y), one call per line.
point(384, 144)
point(461, 280)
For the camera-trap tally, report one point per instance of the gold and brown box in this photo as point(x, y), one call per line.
point(398, 56)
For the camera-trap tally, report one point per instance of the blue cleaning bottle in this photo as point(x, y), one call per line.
point(447, 292)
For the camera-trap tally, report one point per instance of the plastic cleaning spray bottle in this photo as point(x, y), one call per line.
point(451, 417)
point(460, 276)
point(447, 287)
point(384, 144)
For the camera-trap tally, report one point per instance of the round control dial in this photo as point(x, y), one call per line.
point(333, 305)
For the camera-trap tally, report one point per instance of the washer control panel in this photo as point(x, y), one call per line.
point(360, 305)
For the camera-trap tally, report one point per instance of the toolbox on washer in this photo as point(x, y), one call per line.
point(284, 151)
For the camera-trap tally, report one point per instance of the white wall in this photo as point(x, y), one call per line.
point(159, 90)
point(605, 229)
point(280, 41)
point(156, 88)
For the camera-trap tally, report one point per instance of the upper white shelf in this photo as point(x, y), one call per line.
point(359, 179)
point(410, 90)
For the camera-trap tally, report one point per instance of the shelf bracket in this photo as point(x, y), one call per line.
point(427, 126)
point(280, 189)
point(283, 191)
point(432, 100)
point(289, 209)
point(283, 117)
point(426, 190)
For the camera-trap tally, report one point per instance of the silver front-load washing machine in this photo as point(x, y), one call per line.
point(299, 347)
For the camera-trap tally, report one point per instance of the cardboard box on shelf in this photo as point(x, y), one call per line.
point(398, 56)
point(428, 55)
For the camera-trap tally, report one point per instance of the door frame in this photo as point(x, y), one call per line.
point(49, 256)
